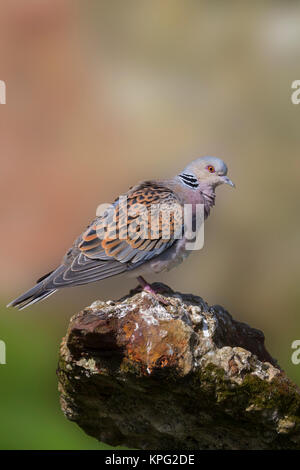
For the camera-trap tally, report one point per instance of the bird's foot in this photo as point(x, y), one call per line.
point(147, 288)
point(158, 296)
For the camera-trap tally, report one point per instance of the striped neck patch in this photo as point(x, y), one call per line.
point(189, 180)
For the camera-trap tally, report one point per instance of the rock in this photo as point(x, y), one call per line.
point(181, 376)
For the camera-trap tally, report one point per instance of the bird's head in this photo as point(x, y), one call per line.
point(205, 171)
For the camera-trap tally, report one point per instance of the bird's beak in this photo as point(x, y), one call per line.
point(226, 180)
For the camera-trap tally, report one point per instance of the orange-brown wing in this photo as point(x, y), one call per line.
point(139, 226)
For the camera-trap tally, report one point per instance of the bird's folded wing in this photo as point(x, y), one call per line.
point(137, 227)
point(82, 270)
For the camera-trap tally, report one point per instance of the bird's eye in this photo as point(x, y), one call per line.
point(211, 168)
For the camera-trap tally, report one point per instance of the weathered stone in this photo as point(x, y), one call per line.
point(179, 376)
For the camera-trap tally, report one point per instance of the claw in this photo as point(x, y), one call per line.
point(147, 288)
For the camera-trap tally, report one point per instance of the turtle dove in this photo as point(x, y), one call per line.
point(122, 240)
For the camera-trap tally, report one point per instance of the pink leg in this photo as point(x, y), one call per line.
point(147, 287)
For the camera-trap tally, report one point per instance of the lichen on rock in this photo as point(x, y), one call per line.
point(183, 375)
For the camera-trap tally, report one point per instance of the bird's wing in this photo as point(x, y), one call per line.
point(139, 226)
point(82, 270)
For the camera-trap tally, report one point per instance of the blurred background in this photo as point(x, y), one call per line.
point(103, 94)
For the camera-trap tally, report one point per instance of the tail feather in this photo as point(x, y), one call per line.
point(33, 295)
point(80, 271)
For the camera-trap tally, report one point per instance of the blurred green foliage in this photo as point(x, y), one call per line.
point(29, 401)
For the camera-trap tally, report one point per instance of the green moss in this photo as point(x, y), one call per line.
point(210, 378)
point(131, 367)
point(279, 394)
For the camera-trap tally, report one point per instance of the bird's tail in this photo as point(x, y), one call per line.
point(33, 295)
